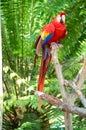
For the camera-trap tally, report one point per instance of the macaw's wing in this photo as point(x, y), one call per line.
point(38, 44)
point(37, 41)
point(45, 35)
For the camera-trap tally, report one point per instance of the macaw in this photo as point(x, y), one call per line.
point(52, 32)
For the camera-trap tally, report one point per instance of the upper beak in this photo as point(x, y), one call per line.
point(61, 21)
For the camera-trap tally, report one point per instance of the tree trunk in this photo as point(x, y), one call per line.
point(68, 121)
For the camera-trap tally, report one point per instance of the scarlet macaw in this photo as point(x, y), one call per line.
point(52, 32)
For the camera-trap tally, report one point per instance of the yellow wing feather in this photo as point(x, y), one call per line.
point(44, 34)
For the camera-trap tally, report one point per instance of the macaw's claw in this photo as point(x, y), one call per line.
point(59, 45)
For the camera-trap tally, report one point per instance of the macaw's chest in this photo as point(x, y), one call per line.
point(59, 33)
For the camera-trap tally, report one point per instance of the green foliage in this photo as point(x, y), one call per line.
point(17, 112)
point(81, 121)
point(22, 21)
point(29, 125)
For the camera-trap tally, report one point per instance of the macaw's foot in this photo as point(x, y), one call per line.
point(58, 46)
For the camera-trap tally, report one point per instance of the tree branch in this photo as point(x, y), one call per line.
point(58, 69)
point(77, 91)
point(82, 75)
point(61, 105)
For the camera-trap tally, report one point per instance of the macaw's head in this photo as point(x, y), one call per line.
point(61, 17)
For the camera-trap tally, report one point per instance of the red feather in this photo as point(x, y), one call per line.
point(43, 70)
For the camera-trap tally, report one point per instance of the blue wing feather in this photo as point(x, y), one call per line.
point(47, 40)
point(45, 50)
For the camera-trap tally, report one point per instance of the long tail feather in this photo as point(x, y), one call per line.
point(43, 70)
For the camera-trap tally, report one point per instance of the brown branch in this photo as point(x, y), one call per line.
point(78, 75)
point(60, 104)
point(58, 69)
point(81, 60)
point(77, 91)
point(82, 75)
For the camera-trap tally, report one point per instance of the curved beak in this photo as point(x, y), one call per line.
point(61, 21)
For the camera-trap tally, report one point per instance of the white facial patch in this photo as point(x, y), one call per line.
point(63, 18)
point(58, 18)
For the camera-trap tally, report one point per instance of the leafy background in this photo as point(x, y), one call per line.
point(21, 22)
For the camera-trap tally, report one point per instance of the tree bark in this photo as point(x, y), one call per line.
point(68, 121)
point(65, 107)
